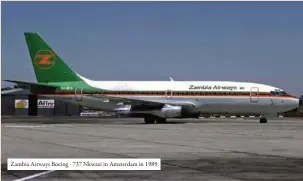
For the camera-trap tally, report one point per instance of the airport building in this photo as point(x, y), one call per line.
point(20, 102)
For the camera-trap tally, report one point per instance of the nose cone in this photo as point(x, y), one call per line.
point(294, 103)
point(290, 104)
point(297, 102)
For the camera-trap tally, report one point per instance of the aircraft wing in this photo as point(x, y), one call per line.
point(157, 101)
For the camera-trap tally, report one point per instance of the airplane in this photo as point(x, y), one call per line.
point(155, 101)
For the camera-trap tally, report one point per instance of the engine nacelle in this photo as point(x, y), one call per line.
point(123, 110)
point(167, 111)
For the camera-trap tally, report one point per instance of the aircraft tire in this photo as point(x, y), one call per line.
point(263, 120)
point(161, 120)
point(149, 120)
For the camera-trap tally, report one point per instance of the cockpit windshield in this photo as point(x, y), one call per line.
point(283, 93)
point(278, 92)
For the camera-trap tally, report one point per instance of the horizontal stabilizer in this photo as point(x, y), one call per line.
point(29, 83)
point(33, 87)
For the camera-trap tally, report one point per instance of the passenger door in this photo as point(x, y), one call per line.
point(168, 94)
point(78, 94)
point(254, 94)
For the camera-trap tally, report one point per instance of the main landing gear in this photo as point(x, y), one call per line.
point(153, 119)
point(263, 119)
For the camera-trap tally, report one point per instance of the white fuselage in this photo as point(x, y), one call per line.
point(207, 96)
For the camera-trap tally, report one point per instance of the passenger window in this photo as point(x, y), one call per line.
point(273, 93)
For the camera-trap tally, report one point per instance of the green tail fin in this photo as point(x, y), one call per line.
point(48, 66)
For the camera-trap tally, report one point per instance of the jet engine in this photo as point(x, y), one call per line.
point(166, 111)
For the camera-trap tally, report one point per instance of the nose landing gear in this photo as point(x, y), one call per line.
point(263, 119)
point(149, 120)
point(153, 119)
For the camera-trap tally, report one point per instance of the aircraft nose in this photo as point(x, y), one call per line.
point(297, 102)
point(293, 103)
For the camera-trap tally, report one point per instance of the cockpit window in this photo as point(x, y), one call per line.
point(283, 93)
point(278, 92)
point(273, 93)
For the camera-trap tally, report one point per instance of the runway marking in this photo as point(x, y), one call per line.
point(35, 175)
point(28, 126)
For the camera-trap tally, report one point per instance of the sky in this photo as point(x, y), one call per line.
point(200, 41)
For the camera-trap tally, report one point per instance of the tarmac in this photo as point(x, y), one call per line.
point(190, 149)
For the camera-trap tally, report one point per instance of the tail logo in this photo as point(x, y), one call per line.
point(45, 59)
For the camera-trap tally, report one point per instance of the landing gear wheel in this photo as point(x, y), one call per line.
point(161, 120)
point(149, 120)
point(263, 120)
